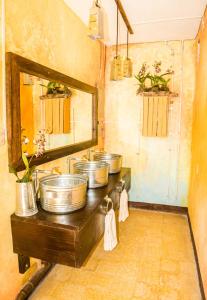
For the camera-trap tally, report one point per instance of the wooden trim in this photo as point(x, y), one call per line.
point(124, 16)
point(196, 260)
point(16, 64)
point(159, 207)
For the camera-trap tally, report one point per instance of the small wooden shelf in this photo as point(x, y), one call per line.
point(54, 96)
point(159, 94)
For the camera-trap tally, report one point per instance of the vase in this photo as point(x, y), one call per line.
point(25, 199)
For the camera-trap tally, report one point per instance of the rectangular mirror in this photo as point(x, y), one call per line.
point(43, 103)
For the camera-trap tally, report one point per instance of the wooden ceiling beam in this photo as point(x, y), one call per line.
point(124, 16)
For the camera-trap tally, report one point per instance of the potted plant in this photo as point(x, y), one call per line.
point(153, 82)
point(54, 88)
point(25, 194)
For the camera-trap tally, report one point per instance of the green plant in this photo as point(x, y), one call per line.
point(57, 88)
point(142, 76)
point(27, 175)
point(158, 80)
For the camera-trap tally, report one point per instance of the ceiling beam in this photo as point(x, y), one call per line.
point(124, 16)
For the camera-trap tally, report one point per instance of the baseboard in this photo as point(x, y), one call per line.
point(196, 259)
point(178, 210)
point(159, 207)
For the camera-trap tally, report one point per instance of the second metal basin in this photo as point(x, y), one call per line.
point(63, 193)
point(114, 161)
point(96, 171)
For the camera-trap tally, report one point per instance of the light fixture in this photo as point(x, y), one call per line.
point(117, 63)
point(127, 64)
point(95, 26)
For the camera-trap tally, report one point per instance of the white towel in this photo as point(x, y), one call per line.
point(123, 209)
point(110, 238)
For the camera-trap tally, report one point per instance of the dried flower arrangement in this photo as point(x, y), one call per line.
point(156, 82)
point(39, 141)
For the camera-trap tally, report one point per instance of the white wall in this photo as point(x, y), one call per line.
point(160, 166)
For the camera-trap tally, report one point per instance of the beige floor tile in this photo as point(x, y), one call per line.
point(121, 268)
point(146, 291)
point(170, 266)
point(96, 294)
point(69, 291)
point(149, 272)
point(166, 293)
point(154, 260)
point(91, 265)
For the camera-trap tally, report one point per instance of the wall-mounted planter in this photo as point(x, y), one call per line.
point(156, 113)
point(57, 113)
point(157, 94)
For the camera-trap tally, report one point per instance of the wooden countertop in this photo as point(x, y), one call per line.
point(76, 220)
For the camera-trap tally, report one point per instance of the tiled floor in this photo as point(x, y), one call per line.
point(153, 261)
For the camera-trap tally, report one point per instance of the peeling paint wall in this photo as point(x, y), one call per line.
point(49, 33)
point(198, 187)
point(160, 166)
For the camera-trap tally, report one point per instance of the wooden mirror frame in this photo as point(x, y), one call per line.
point(16, 64)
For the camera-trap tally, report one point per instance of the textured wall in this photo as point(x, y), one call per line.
point(198, 188)
point(160, 166)
point(1, 109)
point(48, 33)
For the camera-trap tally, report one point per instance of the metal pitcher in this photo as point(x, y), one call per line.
point(25, 199)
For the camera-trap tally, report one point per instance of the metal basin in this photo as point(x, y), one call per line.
point(63, 193)
point(96, 171)
point(114, 161)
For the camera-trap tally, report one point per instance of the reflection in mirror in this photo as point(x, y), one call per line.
point(59, 114)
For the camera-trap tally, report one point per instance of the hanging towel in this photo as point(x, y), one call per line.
point(123, 209)
point(110, 238)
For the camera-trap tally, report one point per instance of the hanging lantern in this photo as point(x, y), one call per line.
point(127, 64)
point(117, 63)
point(117, 68)
point(95, 26)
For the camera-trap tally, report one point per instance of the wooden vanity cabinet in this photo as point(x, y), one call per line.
point(67, 239)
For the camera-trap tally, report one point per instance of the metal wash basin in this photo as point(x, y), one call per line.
point(96, 171)
point(114, 161)
point(62, 194)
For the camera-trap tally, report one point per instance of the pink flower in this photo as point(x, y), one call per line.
point(157, 66)
point(40, 142)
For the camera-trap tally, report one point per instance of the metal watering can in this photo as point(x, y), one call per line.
point(27, 194)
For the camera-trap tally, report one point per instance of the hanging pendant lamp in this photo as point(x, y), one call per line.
point(117, 63)
point(127, 64)
point(95, 26)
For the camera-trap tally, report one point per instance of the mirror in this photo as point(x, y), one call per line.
point(62, 115)
point(44, 104)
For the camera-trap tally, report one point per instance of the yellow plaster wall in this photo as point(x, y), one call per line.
point(198, 188)
point(1, 106)
point(160, 166)
point(49, 33)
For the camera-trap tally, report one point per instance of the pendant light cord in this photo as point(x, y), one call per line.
point(117, 31)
